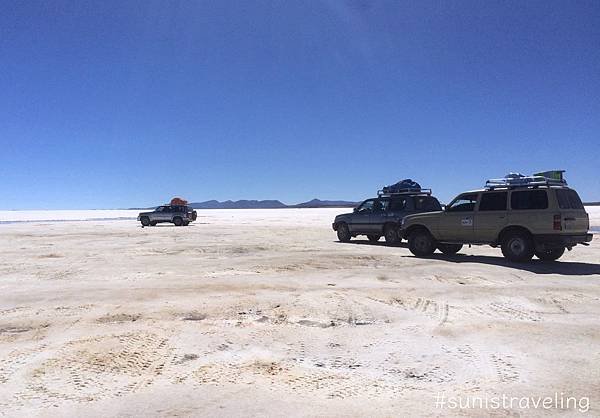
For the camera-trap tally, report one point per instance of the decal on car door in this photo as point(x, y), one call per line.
point(466, 221)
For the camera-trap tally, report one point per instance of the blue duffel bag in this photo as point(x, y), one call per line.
point(406, 185)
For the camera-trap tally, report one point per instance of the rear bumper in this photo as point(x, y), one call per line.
point(552, 241)
point(334, 226)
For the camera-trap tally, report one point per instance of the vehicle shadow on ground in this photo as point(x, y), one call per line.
point(168, 225)
point(376, 243)
point(568, 268)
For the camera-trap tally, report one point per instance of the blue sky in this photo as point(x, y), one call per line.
point(119, 103)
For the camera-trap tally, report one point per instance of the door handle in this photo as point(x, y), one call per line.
point(569, 219)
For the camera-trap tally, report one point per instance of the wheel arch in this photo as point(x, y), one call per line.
point(512, 228)
point(414, 228)
point(337, 224)
point(387, 224)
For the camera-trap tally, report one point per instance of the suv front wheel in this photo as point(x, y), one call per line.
point(518, 246)
point(421, 243)
point(550, 254)
point(390, 233)
point(343, 233)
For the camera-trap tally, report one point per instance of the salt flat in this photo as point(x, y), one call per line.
point(263, 312)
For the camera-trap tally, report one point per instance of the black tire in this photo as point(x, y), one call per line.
point(373, 238)
point(186, 223)
point(153, 223)
point(518, 246)
point(449, 249)
point(390, 232)
point(145, 221)
point(343, 233)
point(421, 243)
point(550, 254)
point(178, 221)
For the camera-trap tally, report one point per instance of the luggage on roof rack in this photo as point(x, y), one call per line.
point(552, 174)
point(406, 186)
point(383, 193)
point(177, 201)
point(546, 178)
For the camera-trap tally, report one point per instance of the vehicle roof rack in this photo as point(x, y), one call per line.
point(401, 192)
point(523, 181)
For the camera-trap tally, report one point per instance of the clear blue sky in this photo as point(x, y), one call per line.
point(118, 103)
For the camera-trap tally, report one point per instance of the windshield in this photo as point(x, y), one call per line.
point(367, 206)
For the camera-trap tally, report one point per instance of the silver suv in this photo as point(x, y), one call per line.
point(534, 215)
point(175, 214)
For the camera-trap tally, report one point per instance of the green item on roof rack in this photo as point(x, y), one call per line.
point(552, 174)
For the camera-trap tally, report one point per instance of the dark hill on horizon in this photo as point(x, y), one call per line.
point(264, 204)
point(239, 204)
point(268, 204)
point(317, 203)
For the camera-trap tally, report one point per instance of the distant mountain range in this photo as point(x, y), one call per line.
point(266, 204)
point(239, 204)
point(276, 204)
point(269, 204)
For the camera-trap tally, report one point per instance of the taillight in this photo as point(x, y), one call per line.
point(557, 224)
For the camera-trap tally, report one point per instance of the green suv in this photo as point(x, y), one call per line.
point(525, 216)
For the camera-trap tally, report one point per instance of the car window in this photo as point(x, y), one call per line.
point(160, 209)
point(464, 203)
point(576, 202)
point(427, 203)
point(381, 205)
point(366, 207)
point(568, 199)
point(493, 201)
point(529, 200)
point(397, 204)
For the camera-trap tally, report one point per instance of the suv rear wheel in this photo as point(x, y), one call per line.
point(391, 234)
point(517, 246)
point(550, 254)
point(449, 249)
point(343, 233)
point(421, 243)
point(373, 238)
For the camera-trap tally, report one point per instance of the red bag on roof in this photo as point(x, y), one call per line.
point(177, 201)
